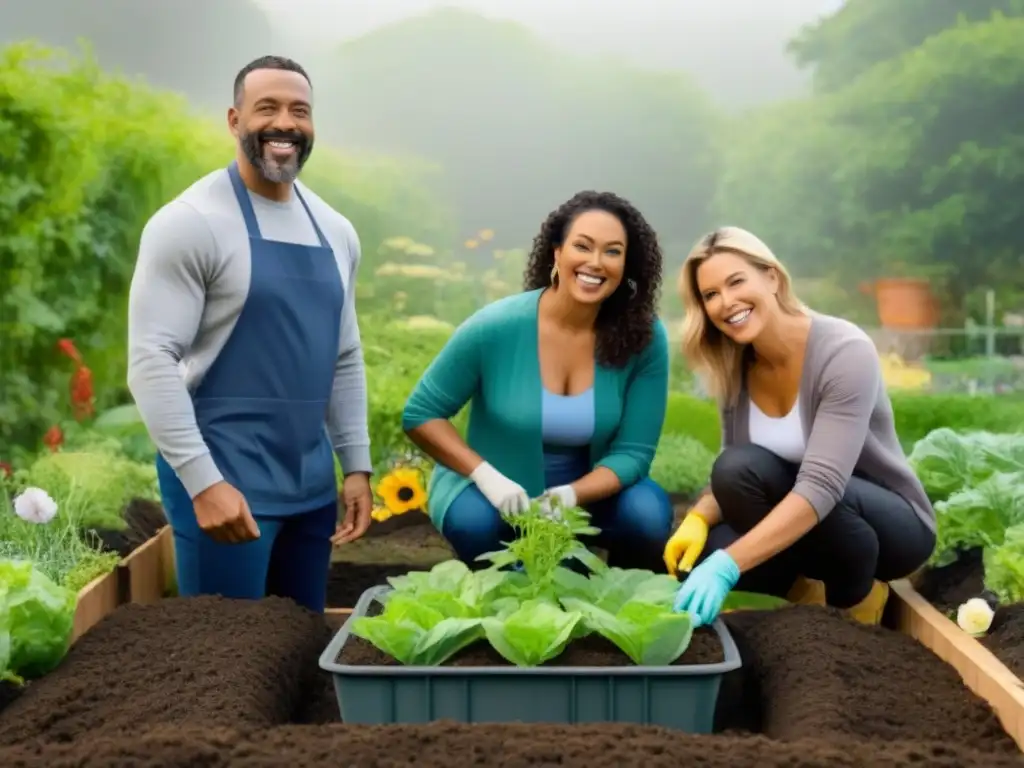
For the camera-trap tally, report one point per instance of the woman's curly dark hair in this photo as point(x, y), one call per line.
point(625, 322)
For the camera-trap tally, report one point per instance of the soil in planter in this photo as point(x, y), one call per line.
point(200, 661)
point(143, 520)
point(593, 651)
point(9, 692)
point(950, 586)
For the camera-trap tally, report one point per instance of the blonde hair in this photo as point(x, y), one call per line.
point(717, 358)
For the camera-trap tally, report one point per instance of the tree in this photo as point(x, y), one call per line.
point(915, 168)
point(863, 33)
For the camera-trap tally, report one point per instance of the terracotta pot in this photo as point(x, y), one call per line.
point(906, 303)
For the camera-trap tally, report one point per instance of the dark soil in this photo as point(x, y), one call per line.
point(203, 661)
point(593, 651)
point(949, 587)
point(216, 683)
point(440, 745)
point(347, 581)
point(144, 520)
point(397, 523)
point(820, 675)
point(9, 692)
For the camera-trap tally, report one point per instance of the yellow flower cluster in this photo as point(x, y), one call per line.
point(401, 491)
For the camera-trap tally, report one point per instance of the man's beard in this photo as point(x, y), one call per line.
point(270, 168)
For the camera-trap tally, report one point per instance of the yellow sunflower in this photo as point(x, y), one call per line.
point(380, 514)
point(402, 491)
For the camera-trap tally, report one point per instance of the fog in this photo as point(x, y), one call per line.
point(732, 47)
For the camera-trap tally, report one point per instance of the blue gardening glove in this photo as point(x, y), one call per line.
point(705, 589)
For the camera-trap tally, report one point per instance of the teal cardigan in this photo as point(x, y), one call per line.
point(492, 362)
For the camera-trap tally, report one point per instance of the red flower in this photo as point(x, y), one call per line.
point(54, 438)
point(6, 468)
point(82, 393)
point(67, 346)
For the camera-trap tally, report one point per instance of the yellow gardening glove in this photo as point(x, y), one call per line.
point(686, 544)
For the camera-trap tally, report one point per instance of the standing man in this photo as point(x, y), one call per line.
point(245, 360)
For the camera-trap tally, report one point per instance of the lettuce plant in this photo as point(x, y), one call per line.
point(976, 482)
point(530, 613)
point(36, 619)
point(416, 634)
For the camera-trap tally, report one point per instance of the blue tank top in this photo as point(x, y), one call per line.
point(567, 427)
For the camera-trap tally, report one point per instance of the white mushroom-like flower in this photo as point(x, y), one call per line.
point(975, 616)
point(34, 505)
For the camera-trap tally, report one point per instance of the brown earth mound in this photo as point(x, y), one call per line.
point(219, 683)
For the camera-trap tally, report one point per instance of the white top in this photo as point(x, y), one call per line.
point(783, 436)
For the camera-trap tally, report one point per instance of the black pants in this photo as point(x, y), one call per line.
point(872, 533)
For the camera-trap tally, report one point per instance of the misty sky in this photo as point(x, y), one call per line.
point(728, 39)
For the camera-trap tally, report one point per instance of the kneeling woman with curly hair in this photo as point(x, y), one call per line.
point(567, 383)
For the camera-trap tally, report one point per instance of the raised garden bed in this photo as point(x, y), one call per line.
point(947, 588)
point(183, 682)
point(143, 520)
point(975, 481)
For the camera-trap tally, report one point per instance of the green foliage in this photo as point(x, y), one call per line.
point(530, 612)
point(98, 482)
point(36, 619)
point(908, 169)
point(976, 480)
point(696, 417)
point(919, 414)
point(87, 158)
point(682, 464)
point(864, 33)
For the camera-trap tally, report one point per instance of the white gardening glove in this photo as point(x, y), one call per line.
point(555, 499)
point(507, 497)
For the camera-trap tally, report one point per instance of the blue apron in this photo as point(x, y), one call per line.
point(262, 409)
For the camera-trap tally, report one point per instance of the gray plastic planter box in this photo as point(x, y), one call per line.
point(681, 697)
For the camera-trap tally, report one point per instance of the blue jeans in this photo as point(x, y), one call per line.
point(635, 524)
point(291, 559)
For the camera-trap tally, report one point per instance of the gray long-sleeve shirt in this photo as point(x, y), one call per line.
point(848, 421)
point(190, 284)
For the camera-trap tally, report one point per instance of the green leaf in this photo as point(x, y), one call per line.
point(753, 601)
point(36, 619)
point(534, 633)
point(650, 634)
point(416, 634)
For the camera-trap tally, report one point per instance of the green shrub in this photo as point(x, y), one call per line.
point(917, 414)
point(696, 417)
point(682, 465)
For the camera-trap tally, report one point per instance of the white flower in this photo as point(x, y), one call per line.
point(974, 616)
point(34, 505)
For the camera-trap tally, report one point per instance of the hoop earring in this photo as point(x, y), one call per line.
point(632, 288)
point(554, 275)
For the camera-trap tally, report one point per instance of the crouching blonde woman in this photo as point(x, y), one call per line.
point(811, 481)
